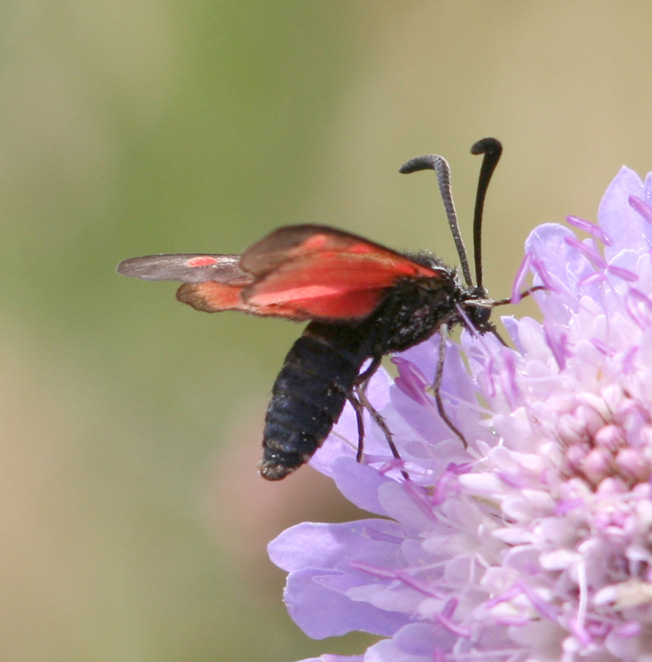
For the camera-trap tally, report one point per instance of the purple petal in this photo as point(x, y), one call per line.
point(593, 229)
point(334, 546)
point(517, 285)
point(457, 391)
point(342, 442)
point(411, 381)
point(417, 642)
point(589, 251)
point(320, 559)
point(322, 612)
point(642, 207)
point(627, 228)
point(359, 483)
point(549, 245)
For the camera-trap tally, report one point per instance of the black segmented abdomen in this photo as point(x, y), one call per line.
point(309, 395)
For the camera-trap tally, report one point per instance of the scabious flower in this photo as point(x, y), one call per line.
point(535, 543)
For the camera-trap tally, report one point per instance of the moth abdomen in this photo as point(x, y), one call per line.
point(309, 395)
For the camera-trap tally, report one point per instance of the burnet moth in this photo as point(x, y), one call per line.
point(362, 300)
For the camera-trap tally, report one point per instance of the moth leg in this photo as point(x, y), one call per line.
point(504, 302)
point(525, 293)
point(436, 388)
point(358, 408)
point(378, 419)
point(364, 403)
point(361, 402)
point(501, 340)
point(354, 398)
point(358, 398)
point(365, 376)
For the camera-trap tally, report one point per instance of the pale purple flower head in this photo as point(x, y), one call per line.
point(535, 544)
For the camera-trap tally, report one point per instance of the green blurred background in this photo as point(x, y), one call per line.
point(133, 523)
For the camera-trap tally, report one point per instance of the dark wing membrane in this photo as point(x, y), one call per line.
point(186, 268)
point(318, 272)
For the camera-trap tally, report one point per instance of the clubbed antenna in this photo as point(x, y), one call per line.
point(492, 149)
point(443, 172)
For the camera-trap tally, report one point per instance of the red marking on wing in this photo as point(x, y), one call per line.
point(187, 268)
point(202, 261)
point(212, 297)
point(298, 272)
point(315, 272)
point(347, 305)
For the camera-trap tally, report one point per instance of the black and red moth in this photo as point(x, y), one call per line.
point(363, 301)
